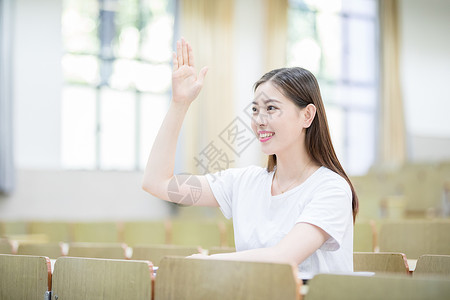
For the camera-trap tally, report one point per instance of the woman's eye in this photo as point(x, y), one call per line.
point(270, 107)
point(254, 110)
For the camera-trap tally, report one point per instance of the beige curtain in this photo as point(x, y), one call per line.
point(275, 40)
point(208, 25)
point(392, 131)
point(276, 33)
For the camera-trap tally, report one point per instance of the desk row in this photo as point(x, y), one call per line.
point(29, 277)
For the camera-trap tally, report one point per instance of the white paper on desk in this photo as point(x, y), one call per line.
point(362, 273)
point(308, 276)
point(305, 275)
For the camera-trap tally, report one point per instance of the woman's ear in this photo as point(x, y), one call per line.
point(309, 112)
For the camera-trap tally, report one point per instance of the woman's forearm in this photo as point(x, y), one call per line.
point(294, 248)
point(161, 161)
point(186, 86)
point(261, 255)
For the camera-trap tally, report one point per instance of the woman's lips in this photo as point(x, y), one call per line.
point(264, 136)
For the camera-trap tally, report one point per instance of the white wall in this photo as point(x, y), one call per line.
point(81, 195)
point(425, 72)
point(37, 83)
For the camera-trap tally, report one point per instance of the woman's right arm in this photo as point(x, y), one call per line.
point(159, 179)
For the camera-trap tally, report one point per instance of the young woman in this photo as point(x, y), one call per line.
point(298, 210)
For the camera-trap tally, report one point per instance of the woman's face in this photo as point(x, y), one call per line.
point(277, 122)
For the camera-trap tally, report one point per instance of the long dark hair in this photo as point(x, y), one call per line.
point(302, 88)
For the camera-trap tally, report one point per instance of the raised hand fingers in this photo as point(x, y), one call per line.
point(202, 75)
point(185, 52)
point(190, 55)
point(184, 55)
point(179, 54)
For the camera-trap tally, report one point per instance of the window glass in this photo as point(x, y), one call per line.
point(116, 62)
point(361, 50)
point(329, 36)
point(337, 40)
point(78, 127)
point(117, 128)
point(360, 153)
point(150, 115)
point(336, 122)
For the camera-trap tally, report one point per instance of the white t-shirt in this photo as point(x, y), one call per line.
point(261, 220)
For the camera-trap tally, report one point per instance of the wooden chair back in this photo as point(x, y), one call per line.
point(95, 232)
point(371, 189)
point(217, 250)
point(422, 186)
point(190, 232)
point(189, 279)
point(88, 278)
point(229, 233)
point(416, 238)
point(155, 253)
point(6, 247)
point(98, 250)
point(364, 237)
point(145, 232)
point(24, 277)
point(51, 250)
point(55, 231)
point(27, 238)
point(395, 287)
point(13, 228)
point(433, 265)
point(382, 262)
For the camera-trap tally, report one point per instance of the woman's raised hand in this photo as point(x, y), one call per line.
point(186, 84)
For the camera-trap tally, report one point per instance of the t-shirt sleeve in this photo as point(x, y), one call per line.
point(331, 210)
point(222, 185)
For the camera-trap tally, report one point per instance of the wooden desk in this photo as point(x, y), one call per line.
point(112, 279)
point(24, 277)
point(380, 262)
point(433, 265)
point(156, 253)
point(192, 279)
point(392, 286)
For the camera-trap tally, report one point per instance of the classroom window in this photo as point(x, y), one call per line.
point(337, 40)
point(117, 79)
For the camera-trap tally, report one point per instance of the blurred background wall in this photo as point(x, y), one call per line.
point(45, 187)
point(425, 72)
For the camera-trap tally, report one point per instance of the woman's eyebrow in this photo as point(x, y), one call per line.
point(267, 101)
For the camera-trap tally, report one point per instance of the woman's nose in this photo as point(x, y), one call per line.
point(261, 120)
